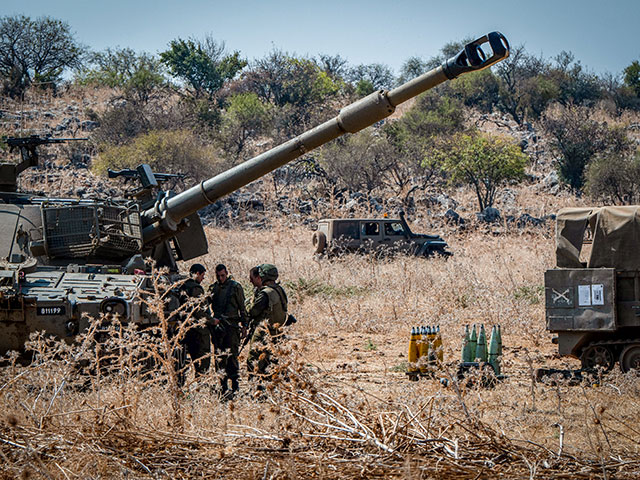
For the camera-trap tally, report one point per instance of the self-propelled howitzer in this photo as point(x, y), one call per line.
point(63, 261)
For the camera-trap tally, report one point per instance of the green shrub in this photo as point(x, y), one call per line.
point(177, 151)
point(531, 294)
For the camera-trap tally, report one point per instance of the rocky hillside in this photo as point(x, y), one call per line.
point(66, 171)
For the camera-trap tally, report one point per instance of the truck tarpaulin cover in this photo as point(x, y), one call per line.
point(616, 237)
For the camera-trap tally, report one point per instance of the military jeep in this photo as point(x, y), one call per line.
point(379, 235)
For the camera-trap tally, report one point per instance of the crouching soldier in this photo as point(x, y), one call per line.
point(230, 319)
point(268, 315)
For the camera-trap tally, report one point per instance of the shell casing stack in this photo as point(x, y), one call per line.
point(493, 357)
point(466, 345)
point(437, 345)
point(473, 343)
point(413, 351)
point(481, 346)
point(475, 347)
point(425, 349)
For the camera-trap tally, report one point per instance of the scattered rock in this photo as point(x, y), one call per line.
point(446, 201)
point(489, 215)
point(526, 220)
point(551, 180)
point(453, 217)
point(89, 125)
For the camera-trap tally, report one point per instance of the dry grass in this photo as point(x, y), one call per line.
point(341, 406)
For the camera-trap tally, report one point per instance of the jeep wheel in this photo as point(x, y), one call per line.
point(319, 241)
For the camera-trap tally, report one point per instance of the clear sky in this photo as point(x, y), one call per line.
point(602, 34)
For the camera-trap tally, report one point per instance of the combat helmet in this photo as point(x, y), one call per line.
point(268, 272)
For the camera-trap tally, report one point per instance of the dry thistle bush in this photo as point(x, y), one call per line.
point(338, 403)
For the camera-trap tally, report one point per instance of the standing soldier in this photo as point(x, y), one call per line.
point(197, 340)
point(230, 318)
point(268, 315)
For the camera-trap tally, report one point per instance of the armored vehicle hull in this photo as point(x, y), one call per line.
point(594, 305)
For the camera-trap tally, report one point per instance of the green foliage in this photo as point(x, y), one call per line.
point(370, 346)
point(478, 89)
point(528, 84)
point(283, 79)
point(298, 88)
point(482, 161)
point(376, 74)
point(574, 84)
point(138, 76)
point(538, 93)
point(516, 74)
point(244, 118)
point(359, 162)
point(402, 367)
point(203, 74)
point(632, 77)
point(176, 151)
point(531, 294)
point(333, 65)
point(364, 88)
point(411, 68)
point(35, 51)
point(432, 116)
point(119, 125)
point(578, 138)
point(614, 179)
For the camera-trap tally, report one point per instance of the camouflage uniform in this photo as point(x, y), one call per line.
point(227, 303)
point(197, 340)
point(268, 315)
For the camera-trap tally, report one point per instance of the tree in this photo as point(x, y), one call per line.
point(517, 75)
point(333, 65)
point(621, 95)
point(411, 68)
point(632, 76)
point(296, 86)
point(574, 85)
point(377, 75)
point(201, 65)
point(483, 161)
point(360, 161)
point(477, 90)
point(284, 79)
point(614, 179)
point(578, 138)
point(244, 118)
point(35, 51)
point(138, 76)
point(432, 116)
point(413, 138)
point(174, 151)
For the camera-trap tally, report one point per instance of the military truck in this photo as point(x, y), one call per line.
point(592, 297)
point(381, 235)
point(64, 260)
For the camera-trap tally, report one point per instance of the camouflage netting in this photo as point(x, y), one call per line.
point(616, 237)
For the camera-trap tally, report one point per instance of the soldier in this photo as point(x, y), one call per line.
point(268, 315)
point(197, 340)
point(230, 319)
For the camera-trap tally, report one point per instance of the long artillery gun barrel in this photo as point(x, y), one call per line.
point(161, 221)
